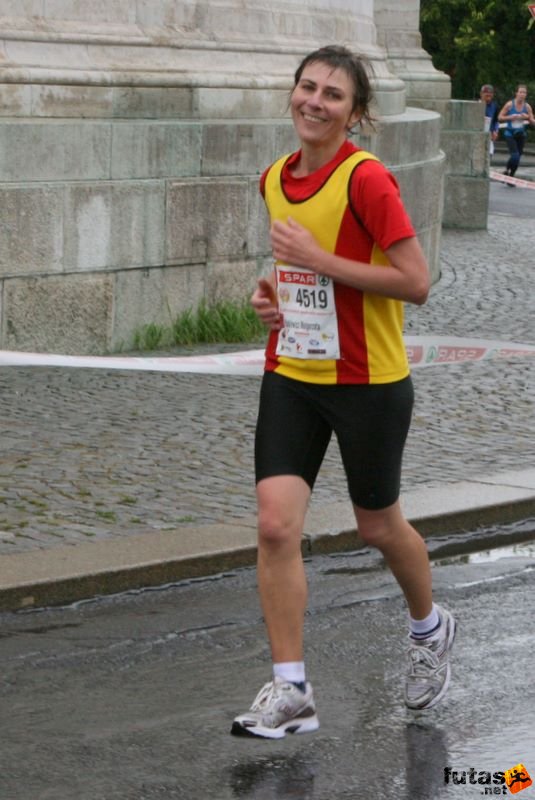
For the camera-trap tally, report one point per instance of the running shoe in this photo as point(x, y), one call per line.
point(279, 708)
point(429, 668)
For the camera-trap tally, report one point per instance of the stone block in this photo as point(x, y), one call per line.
point(230, 280)
point(432, 104)
point(153, 102)
point(67, 314)
point(15, 100)
point(466, 153)
point(409, 138)
point(258, 241)
point(31, 229)
point(157, 295)
point(466, 202)
point(234, 103)
point(97, 11)
point(72, 101)
point(151, 14)
point(464, 115)
point(400, 16)
point(21, 8)
point(27, 51)
point(237, 149)
point(206, 219)
point(111, 225)
point(285, 139)
point(51, 150)
point(421, 187)
point(155, 149)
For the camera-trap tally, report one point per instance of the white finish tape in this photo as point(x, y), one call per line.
point(423, 351)
point(499, 176)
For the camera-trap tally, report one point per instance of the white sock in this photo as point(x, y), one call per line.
point(293, 671)
point(421, 628)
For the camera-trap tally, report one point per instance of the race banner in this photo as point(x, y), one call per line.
point(511, 180)
point(422, 351)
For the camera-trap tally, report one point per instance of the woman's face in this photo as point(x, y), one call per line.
point(521, 93)
point(321, 105)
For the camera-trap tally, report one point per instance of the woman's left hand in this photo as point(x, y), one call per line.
point(295, 245)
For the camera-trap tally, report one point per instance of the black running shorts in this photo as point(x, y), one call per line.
point(371, 422)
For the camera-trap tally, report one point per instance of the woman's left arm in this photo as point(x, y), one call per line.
point(405, 278)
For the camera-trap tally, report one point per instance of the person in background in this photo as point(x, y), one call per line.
point(346, 259)
point(492, 125)
point(517, 113)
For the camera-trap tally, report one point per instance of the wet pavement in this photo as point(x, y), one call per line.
point(132, 697)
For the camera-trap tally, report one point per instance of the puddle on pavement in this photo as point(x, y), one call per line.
point(520, 550)
point(369, 561)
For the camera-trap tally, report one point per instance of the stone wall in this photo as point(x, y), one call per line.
point(131, 140)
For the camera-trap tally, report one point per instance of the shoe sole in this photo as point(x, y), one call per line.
point(308, 725)
point(434, 700)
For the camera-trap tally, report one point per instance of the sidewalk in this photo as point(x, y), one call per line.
point(117, 480)
point(67, 573)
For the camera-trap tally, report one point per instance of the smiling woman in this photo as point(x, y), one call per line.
point(323, 110)
point(346, 257)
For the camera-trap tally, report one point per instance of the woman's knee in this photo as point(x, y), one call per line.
point(274, 527)
point(377, 528)
point(282, 504)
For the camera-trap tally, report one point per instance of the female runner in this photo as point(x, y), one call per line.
point(346, 258)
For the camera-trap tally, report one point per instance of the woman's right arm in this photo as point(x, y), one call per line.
point(504, 113)
point(264, 301)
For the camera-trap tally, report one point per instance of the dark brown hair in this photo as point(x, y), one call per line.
point(356, 67)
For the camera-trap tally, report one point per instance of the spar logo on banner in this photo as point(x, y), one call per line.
point(531, 7)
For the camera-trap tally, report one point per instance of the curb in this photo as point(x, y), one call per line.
point(459, 517)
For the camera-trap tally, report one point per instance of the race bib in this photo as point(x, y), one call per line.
point(306, 302)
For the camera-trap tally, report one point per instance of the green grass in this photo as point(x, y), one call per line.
point(128, 500)
point(223, 322)
point(150, 337)
point(110, 516)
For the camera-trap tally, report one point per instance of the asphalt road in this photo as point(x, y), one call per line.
point(132, 697)
point(515, 201)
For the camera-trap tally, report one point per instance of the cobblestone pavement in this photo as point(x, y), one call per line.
point(91, 453)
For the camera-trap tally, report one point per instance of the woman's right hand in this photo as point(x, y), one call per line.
point(264, 302)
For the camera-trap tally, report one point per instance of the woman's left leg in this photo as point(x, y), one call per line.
point(404, 551)
point(372, 435)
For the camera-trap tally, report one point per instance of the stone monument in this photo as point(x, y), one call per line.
point(132, 135)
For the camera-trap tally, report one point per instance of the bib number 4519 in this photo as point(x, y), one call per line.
point(311, 298)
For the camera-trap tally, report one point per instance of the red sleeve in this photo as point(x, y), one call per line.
point(376, 200)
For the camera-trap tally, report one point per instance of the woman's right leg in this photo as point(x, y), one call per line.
point(520, 140)
point(514, 155)
point(282, 505)
point(291, 439)
point(286, 703)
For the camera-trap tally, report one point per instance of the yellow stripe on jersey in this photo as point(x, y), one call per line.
point(387, 357)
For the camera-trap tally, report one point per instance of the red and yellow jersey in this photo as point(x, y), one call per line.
point(353, 207)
